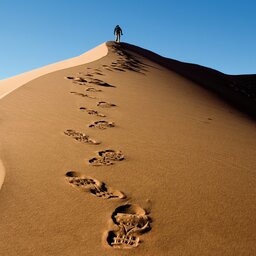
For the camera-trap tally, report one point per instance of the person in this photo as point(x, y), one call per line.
point(118, 32)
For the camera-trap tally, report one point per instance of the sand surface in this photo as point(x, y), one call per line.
point(175, 174)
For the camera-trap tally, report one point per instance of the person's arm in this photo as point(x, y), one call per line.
point(121, 31)
point(114, 31)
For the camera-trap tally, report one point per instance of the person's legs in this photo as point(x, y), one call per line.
point(118, 37)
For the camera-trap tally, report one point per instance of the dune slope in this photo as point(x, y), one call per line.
point(125, 156)
point(238, 90)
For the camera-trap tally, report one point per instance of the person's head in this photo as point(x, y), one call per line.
point(117, 26)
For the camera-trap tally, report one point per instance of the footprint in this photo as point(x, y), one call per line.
point(109, 69)
point(98, 73)
point(100, 83)
point(131, 222)
point(93, 186)
point(104, 104)
point(76, 179)
point(102, 124)
point(99, 161)
point(119, 69)
point(106, 157)
point(69, 77)
point(92, 112)
point(81, 137)
point(83, 95)
point(80, 79)
point(91, 89)
point(104, 84)
point(111, 155)
point(76, 79)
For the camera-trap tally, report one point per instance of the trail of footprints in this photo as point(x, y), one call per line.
point(129, 221)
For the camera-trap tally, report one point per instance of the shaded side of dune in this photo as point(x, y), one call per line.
point(238, 90)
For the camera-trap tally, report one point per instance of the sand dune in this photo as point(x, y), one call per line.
point(125, 156)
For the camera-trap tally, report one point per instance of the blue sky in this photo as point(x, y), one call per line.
point(219, 34)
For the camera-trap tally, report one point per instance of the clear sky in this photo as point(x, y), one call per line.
point(220, 34)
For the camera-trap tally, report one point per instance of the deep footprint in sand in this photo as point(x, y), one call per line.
point(119, 69)
point(98, 73)
point(99, 161)
point(93, 186)
point(111, 155)
point(69, 77)
point(104, 104)
point(100, 82)
point(131, 221)
point(92, 112)
point(81, 137)
point(106, 157)
point(102, 125)
point(108, 69)
point(91, 89)
point(83, 95)
point(79, 80)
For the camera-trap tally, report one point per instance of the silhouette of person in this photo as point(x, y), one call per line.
point(118, 32)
